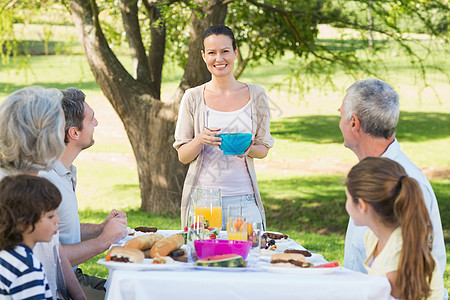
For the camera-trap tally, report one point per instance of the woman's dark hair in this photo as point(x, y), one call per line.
point(398, 200)
point(218, 30)
point(23, 201)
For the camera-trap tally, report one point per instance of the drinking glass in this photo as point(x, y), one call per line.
point(254, 235)
point(196, 228)
point(208, 202)
point(233, 211)
point(236, 226)
point(237, 229)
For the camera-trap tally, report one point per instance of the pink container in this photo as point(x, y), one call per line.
point(207, 248)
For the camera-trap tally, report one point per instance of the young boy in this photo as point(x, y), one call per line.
point(27, 215)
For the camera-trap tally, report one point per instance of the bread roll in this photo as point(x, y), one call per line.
point(143, 242)
point(126, 255)
point(167, 245)
point(147, 253)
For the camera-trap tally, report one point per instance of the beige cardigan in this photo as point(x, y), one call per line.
point(191, 121)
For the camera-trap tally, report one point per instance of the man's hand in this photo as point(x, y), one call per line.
point(115, 214)
point(114, 231)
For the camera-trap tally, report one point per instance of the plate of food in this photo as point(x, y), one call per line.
point(296, 263)
point(134, 257)
point(145, 265)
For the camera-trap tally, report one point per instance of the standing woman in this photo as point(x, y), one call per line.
point(226, 105)
point(399, 240)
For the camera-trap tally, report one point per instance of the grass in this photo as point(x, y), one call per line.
point(305, 203)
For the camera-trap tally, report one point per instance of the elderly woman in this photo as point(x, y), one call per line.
point(31, 140)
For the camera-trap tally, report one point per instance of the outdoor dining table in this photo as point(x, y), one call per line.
point(184, 281)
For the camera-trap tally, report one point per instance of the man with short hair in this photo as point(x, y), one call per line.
point(369, 116)
point(81, 242)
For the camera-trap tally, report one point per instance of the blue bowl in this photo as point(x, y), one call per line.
point(235, 143)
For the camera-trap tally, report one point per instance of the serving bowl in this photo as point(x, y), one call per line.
point(207, 248)
point(235, 143)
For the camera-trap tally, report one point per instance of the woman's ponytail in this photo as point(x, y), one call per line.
point(416, 263)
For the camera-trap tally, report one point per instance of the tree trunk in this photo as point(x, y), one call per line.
point(195, 71)
point(149, 122)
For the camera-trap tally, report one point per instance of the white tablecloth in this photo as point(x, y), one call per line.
point(256, 284)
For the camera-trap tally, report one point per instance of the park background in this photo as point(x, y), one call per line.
point(301, 180)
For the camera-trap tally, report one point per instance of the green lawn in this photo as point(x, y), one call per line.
point(304, 202)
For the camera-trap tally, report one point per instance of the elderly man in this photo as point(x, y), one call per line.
point(369, 116)
point(82, 241)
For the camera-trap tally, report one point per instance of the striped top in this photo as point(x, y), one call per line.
point(21, 275)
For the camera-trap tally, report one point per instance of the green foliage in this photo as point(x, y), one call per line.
point(249, 23)
point(430, 17)
point(265, 31)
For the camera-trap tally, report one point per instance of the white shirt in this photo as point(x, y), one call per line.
point(355, 252)
point(227, 172)
point(69, 220)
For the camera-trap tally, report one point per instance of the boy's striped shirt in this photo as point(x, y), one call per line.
point(22, 276)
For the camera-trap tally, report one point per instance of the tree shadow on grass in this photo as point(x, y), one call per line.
point(317, 204)
point(38, 47)
point(320, 129)
point(441, 188)
point(305, 204)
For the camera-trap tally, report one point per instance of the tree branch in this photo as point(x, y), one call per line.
point(131, 25)
point(319, 16)
point(158, 44)
point(10, 4)
point(109, 73)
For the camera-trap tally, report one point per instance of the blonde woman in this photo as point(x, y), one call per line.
point(31, 140)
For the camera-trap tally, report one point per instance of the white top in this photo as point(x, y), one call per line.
point(69, 220)
point(355, 252)
point(228, 172)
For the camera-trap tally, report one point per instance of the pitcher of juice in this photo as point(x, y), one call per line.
point(208, 202)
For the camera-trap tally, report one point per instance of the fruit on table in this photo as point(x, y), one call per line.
point(253, 237)
point(224, 260)
point(249, 229)
point(238, 225)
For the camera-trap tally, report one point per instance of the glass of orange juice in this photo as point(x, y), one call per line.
point(237, 229)
point(208, 203)
point(236, 225)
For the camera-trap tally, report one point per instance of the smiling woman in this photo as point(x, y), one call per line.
point(223, 105)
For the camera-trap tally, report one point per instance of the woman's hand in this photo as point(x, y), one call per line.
point(246, 152)
point(255, 151)
point(189, 151)
point(209, 137)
